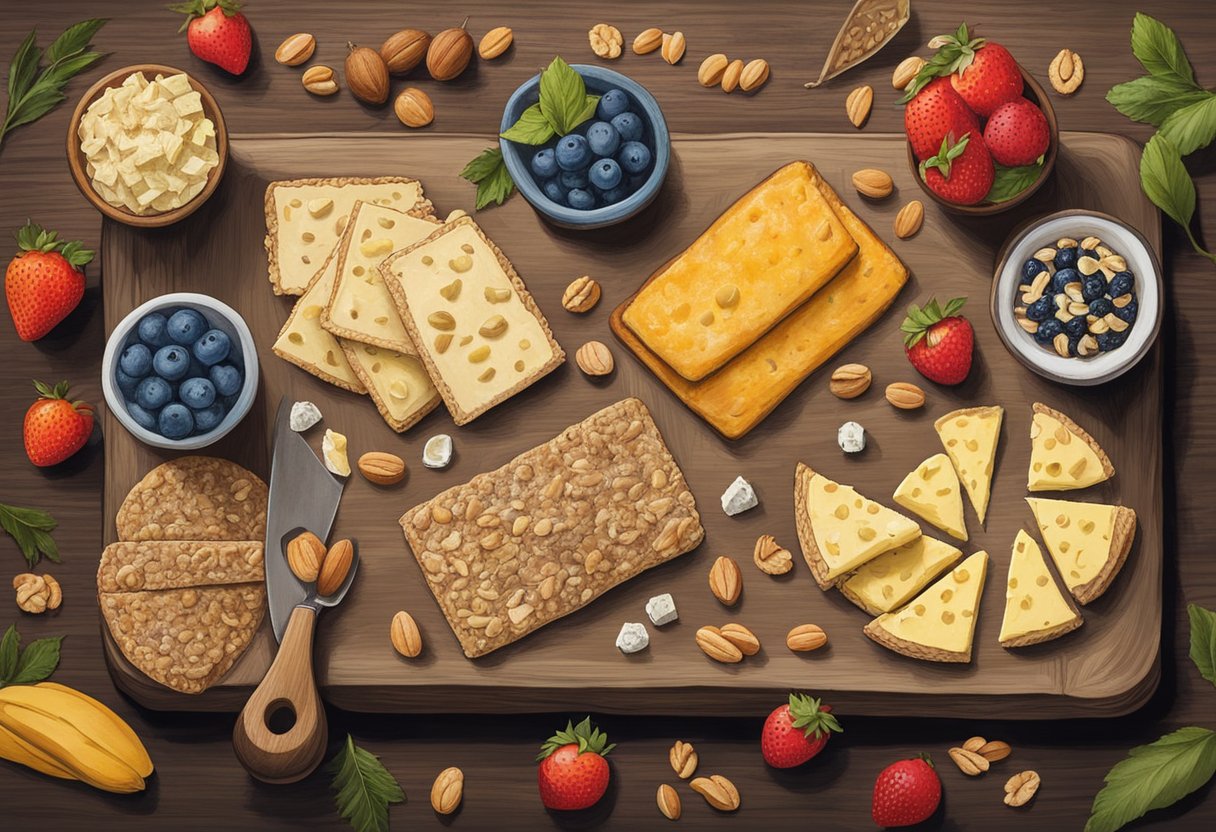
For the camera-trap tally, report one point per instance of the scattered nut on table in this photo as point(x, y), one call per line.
point(717, 647)
point(858, 104)
point(1021, 788)
point(731, 75)
point(1066, 72)
point(594, 358)
point(718, 792)
point(754, 75)
point(673, 47)
point(495, 42)
point(907, 71)
point(581, 295)
point(305, 552)
point(647, 41)
point(969, 762)
point(669, 802)
point(606, 40)
point(909, 219)
point(873, 183)
point(296, 49)
point(770, 557)
point(805, 638)
point(850, 380)
point(414, 108)
point(447, 790)
point(405, 636)
point(319, 80)
point(905, 395)
point(741, 637)
point(683, 759)
point(725, 580)
point(37, 593)
point(709, 74)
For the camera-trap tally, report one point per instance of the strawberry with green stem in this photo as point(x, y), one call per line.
point(573, 773)
point(45, 281)
point(55, 427)
point(217, 33)
point(962, 171)
point(906, 792)
point(981, 71)
point(796, 732)
point(938, 341)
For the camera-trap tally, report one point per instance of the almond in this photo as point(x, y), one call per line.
point(366, 74)
point(1066, 72)
point(754, 75)
point(296, 49)
point(907, 71)
point(725, 580)
point(449, 54)
point(594, 358)
point(968, 762)
point(414, 108)
point(873, 183)
point(710, 72)
point(718, 792)
point(805, 638)
point(909, 219)
point(858, 104)
point(905, 396)
point(731, 75)
point(770, 557)
point(404, 50)
point(673, 47)
point(305, 552)
point(993, 751)
point(850, 380)
point(648, 41)
point(319, 80)
point(405, 636)
point(683, 759)
point(717, 647)
point(447, 790)
point(382, 468)
point(335, 567)
point(975, 744)
point(669, 802)
point(581, 295)
point(741, 637)
point(495, 42)
point(1021, 787)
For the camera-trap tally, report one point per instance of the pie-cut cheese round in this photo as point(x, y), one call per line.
point(1089, 542)
point(933, 492)
point(970, 437)
point(888, 581)
point(1062, 455)
point(1036, 610)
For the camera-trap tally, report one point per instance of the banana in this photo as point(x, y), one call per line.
point(18, 750)
point(70, 748)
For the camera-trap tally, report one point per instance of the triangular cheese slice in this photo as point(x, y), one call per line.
point(888, 581)
point(1036, 610)
point(939, 624)
point(970, 436)
point(933, 492)
point(840, 529)
point(1089, 542)
point(1062, 455)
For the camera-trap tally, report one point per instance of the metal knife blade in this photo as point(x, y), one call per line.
point(302, 494)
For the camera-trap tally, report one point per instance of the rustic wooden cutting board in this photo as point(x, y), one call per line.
point(1110, 666)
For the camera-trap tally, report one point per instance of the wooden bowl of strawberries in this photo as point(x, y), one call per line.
point(982, 133)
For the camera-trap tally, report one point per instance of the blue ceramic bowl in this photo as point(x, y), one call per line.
point(655, 135)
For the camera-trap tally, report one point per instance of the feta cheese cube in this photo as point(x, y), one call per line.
point(632, 638)
point(437, 452)
point(662, 609)
point(738, 497)
point(189, 103)
point(304, 415)
point(851, 438)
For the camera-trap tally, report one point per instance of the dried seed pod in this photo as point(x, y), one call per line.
point(495, 42)
point(366, 74)
point(414, 108)
point(449, 53)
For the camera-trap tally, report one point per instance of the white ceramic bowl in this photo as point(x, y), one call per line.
point(219, 316)
point(1120, 238)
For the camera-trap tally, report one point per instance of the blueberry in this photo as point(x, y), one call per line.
point(153, 393)
point(1093, 287)
point(1066, 258)
point(143, 418)
point(603, 138)
point(208, 418)
point(605, 174)
point(581, 199)
point(1074, 345)
point(544, 163)
point(136, 360)
point(629, 126)
point(1100, 307)
point(1128, 313)
point(554, 190)
point(1063, 277)
point(635, 158)
point(1108, 341)
point(171, 363)
point(175, 421)
point(1048, 330)
point(185, 327)
point(1041, 309)
point(196, 393)
point(613, 195)
point(1031, 268)
point(573, 179)
point(1076, 327)
point(1121, 284)
point(213, 347)
point(612, 103)
point(1087, 252)
point(227, 379)
point(572, 152)
point(126, 383)
point(152, 330)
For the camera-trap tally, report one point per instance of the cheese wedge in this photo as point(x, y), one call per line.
point(1089, 542)
point(397, 383)
point(1036, 610)
point(759, 261)
point(888, 581)
point(305, 343)
point(970, 437)
point(305, 218)
point(839, 529)
point(939, 624)
point(360, 307)
point(1062, 455)
point(933, 492)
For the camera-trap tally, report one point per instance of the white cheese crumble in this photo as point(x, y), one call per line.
point(662, 609)
point(437, 452)
point(851, 437)
point(632, 638)
point(738, 497)
point(304, 415)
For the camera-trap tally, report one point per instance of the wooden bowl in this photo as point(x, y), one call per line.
point(78, 163)
point(1035, 92)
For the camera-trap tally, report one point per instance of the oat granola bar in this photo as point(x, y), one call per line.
point(128, 566)
point(195, 498)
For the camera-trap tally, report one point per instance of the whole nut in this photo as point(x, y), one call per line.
point(968, 762)
point(710, 72)
point(717, 647)
point(741, 637)
point(447, 790)
point(404, 50)
point(495, 42)
point(770, 557)
point(805, 638)
point(673, 47)
point(581, 295)
point(873, 183)
point(1021, 787)
point(33, 593)
point(335, 567)
point(449, 54)
point(975, 744)
point(718, 792)
point(909, 219)
point(305, 552)
point(594, 358)
point(725, 580)
point(606, 40)
point(754, 75)
point(683, 759)
point(405, 636)
point(858, 104)
point(296, 49)
point(414, 108)
point(1066, 72)
point(669, 802)
point(382, 468)
point(319, 80)
point(850, 380)
point(907, 71)
point(366, 74)
point(993, 751)
point(731, 75)
point(647, 41)
point(905, 396)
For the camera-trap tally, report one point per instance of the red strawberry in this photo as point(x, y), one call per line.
point(961, 172)
point(981, 71)
point(573, 773)
point(934, 113)
point(56, 428)
point(217, 32)
point(44, 282)
point(939, 342)
point(796, 732)
point(1017, 133)
point(906, 792)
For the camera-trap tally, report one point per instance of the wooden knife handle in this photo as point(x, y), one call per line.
point(289, 684)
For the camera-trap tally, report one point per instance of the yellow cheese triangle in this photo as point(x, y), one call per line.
point(970, 436)
point(840, 529)
point(1062, 455)
point(1035, 607)
point(933, 492)
point(1089, 542)
point(939, 624)
point(888, 581)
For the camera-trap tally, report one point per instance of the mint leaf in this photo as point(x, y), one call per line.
point(1009, 182)
point(364, 787)
point(482, 165)
point(38, 661)
point(23, 68)
point(1152, 98)
point(1203, 640)
point(30, 528)
point(10, 648)
point(563, 96)
point(1154, 776)
point(74, 40)
point(531, 128)
point(1191, 127)
point(1166, 182)
point(1157, 47)
point(495, 188)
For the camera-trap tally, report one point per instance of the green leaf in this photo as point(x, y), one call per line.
point(1157, 47)
point(1166, 182)
point(30, 528)
point(1009, 182)
point(38, 661)
point(1191, 127)
point(58, 75)
point(1154, 776)
point(364, 787)
point(531, 128)
point(482, 165)
point(1203, 640)
point(589, 105)
point(563, 96)
point(74, 39)
point(23, 68)
point(495, 188)
point(10, 648)
point(1151, 98)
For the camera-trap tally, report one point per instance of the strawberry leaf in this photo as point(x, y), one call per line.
point(811, 718)
point(921, 319)
point(586, 736)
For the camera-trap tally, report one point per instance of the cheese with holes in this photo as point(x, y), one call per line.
point(933, 492)
point(890, 580)
point(1035, 607)
point(1060, 458)
point(759, 261)
point(970, 437)
point(397, 383)
point(850, 529)
point(1087, 541)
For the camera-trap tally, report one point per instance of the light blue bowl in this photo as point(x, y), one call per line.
point(655, 135)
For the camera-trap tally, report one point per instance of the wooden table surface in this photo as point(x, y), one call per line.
point(199, 783)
